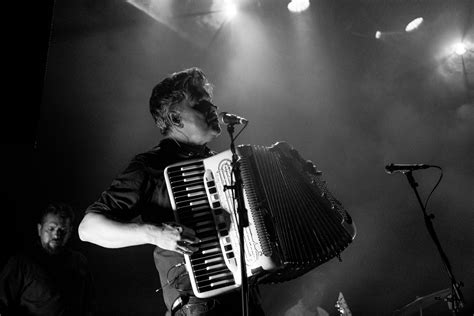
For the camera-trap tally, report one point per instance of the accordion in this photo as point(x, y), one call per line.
point(295, 223)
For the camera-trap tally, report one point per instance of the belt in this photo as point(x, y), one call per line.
point(183, 300)
point(177, 304)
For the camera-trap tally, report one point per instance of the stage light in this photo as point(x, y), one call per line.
point(378, 34)
point(413, 25)
point(459, 48)
point(298, 5)
point(230, 10)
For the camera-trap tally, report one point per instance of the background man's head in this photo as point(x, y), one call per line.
point(189, 84)
point(55, 227)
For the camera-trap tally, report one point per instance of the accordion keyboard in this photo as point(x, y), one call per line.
point(196, 204)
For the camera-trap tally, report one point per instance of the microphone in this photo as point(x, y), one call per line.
point(391, 168)
point(232, 119)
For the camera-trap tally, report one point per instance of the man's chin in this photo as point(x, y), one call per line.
point(54, 249)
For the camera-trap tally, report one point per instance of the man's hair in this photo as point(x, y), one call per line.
point(189, 83)
point(59, 209)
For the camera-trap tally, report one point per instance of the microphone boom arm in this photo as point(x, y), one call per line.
point(456, 299)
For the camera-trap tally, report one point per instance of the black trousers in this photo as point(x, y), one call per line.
point(229, 304)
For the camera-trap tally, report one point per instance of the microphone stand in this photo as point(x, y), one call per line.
point(456, 301)
point(242, 218)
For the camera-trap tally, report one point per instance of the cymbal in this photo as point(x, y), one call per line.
point(423, 301)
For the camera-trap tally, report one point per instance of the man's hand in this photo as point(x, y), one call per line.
point(173, 237)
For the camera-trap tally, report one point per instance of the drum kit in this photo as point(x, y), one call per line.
point(425, 301)
point(416, 306)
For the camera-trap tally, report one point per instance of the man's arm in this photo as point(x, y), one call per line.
point(108, 221)
point(100, 230)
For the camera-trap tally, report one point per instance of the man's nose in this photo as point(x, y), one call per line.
point(58, 233)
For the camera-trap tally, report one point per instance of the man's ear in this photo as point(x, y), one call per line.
point(39, 229)
point(175, 119)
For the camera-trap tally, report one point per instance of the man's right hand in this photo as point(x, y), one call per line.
point(174, 237)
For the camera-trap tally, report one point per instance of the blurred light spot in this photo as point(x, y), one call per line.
point(459, 48)
point(230, 10)
point(413, 25)
point(298, 5)
point(378, 34)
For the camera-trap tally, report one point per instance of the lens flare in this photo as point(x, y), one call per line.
point(413, 25)
point(298, 5)
point(231, 10)
point(459, 48)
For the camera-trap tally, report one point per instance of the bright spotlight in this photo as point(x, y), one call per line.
point(298, 5)
point(413, 25)
point(378, 34)
point(230, 10)
point(459, 48)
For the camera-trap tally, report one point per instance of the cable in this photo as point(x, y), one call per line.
point(168, 281)
point(436, 185)
point(241, 130)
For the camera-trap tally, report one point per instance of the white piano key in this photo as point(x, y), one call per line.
point(212, 260)
point(221, 265)
point(196, 193)
point(206, 239)
point(204, 252)
point(212, 277)
point(195, 187)
point(199, 202)
point(192, 179)
point(188, 167)
point(191, 173)
point(221, 282)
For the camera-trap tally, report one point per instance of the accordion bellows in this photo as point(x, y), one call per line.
point(295, 223)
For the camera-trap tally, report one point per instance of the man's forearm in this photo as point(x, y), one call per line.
point(105, 232)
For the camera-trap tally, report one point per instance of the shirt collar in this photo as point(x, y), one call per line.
point(185, 150)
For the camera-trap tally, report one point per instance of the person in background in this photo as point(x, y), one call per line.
point(48, 278)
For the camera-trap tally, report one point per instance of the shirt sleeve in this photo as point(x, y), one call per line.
point(122, 200)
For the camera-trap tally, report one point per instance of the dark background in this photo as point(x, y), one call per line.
point(319, 80)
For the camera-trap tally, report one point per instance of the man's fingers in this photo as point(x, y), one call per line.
point(187, 234)
point(190, 239)
point(183, 250)
point(174, 226)
point(187, 231)
point(186, 246)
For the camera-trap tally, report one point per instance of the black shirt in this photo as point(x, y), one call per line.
point(35, 282)
point(140, 190)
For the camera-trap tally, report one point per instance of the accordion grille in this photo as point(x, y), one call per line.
point(293, 213)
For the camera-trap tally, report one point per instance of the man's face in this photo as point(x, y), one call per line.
point(200, 120)
point(54, 233)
